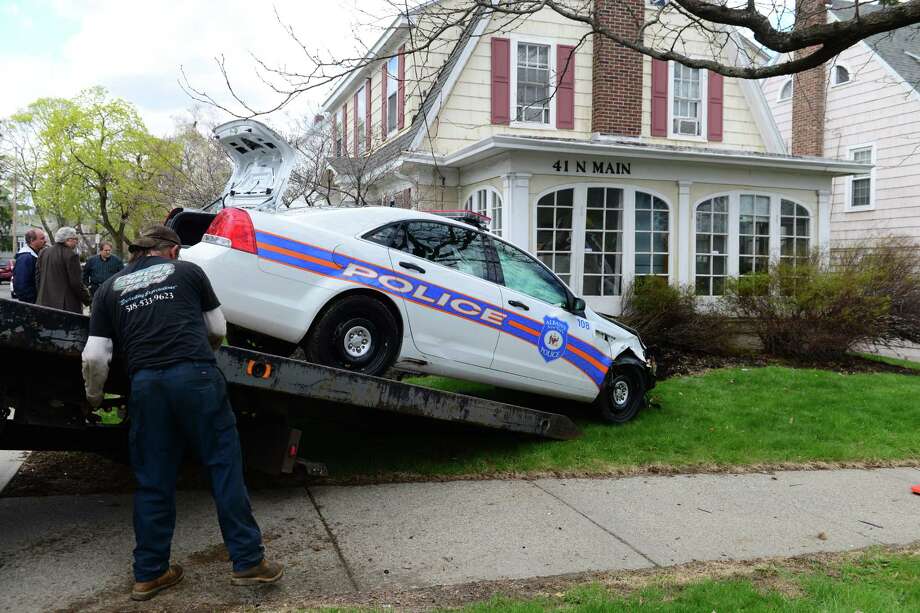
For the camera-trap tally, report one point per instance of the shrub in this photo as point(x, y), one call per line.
point(670, 318)
point(820, 308)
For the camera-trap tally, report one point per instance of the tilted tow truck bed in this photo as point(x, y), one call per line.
point(41, 382)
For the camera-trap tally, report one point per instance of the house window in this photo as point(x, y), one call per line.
point(554, 232)
point(603, 263)
point(487, 202)
point(861, 187)
point(652, 228)
point(686, 101)
point(533, 86)
point(340, 120)
point(754, 234)
point(360, 114)
point(795, 232)
point(711, 246)
point(785, 92)
point(392, 91)
point(841, 75)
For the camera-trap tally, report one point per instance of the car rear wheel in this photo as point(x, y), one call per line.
point(622, 396)
point(357, 333)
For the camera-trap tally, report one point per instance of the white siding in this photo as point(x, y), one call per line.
point(876, 108)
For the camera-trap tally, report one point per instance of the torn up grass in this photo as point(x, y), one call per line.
point(723, 418)
point(875, 581)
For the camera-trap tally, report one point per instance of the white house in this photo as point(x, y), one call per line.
point(870, 113)
point(634, 167)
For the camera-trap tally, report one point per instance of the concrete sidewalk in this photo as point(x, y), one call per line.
point(74, 552)
point(10, 461)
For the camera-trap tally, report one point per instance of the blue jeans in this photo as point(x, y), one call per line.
point(171, 408)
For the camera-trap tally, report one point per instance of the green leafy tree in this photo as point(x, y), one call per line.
point(90, 162)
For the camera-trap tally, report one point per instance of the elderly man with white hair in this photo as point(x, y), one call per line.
point(57, 274)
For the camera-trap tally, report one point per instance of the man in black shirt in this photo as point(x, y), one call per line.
point(162, 316)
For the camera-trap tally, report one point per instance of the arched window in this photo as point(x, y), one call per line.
point(603, 264)
point(754, 234)
point(711, 246)
point(652, 230)
point(487, 202)
point(554, 232)
point(841, 75)
point(795, 232)
point(785, 92)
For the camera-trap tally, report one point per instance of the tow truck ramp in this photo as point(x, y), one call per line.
point(42, 404)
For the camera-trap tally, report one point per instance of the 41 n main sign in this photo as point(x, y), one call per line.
point(593, 167)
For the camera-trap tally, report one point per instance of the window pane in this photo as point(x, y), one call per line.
point(564, 218)
point(643, 242)
point(596, 197)
point(660, 243)
point(595, 220)
point(544, 241)
point(702, 286)
point(703, 242)
point(447, 245)
point(612, 286)
point(643, 264)
point(564, 197)
point(718, 265)
point(643, 220)
point(594, 241)
point(702, 264)
point(660, 264)
point(592, 286)
point(544, 217)
point(718, 244)
point(593, 264)
point(613, 220)
point(523, 274)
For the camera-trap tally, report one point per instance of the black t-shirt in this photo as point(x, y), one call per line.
point(153, 311)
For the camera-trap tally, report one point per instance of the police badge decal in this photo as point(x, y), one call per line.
point(552, 338)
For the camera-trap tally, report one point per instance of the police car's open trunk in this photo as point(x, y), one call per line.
point(262, 162)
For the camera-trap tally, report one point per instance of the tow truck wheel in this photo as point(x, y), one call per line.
point(622, 396)
point(357, 333)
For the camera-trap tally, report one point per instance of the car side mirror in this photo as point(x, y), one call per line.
point(578, 306)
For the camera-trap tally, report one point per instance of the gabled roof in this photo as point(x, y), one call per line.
point(402, 142)
point(899, 48)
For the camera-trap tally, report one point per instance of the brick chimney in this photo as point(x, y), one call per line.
point(809, 91)
point(616, 107)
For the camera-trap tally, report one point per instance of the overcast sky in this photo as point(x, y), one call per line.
point(136, 48)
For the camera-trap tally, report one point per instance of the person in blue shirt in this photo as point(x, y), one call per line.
point(100, 267)
point(25, 287)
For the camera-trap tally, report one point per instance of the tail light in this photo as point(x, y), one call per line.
point(232, 228)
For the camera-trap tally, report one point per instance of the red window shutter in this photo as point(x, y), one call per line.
point(383, 102)
point(367, 115)
point(501, 81)
point(659, 98)
point(565, 92)
point(401, 94)
point(344, 151)
point(354, 104)
point(715, 106)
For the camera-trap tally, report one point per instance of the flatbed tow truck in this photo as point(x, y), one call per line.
point(42, 398)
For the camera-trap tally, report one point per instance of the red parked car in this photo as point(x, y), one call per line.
point(6, 272)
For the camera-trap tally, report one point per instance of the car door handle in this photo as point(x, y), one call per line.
point(519, 305)
point(412, 266)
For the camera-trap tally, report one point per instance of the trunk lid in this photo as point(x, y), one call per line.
point(262, 164)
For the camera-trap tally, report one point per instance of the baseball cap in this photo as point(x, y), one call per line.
point(152, 235)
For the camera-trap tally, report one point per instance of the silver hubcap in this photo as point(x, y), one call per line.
point(357, 341)
point(621, 392)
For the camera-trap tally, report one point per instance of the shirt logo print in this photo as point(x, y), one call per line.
point(143, 278)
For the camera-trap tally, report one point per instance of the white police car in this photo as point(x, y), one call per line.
point(366, 289)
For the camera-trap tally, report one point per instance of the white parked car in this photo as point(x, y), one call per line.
point(367, 289)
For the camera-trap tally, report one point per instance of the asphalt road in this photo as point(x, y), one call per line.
point(5, 290)
point(75, 552)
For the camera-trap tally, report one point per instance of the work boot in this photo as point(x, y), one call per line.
point(263, 572)
point(145, 590)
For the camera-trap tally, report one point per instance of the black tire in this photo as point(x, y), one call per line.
point(622, 396)
point(357, 333)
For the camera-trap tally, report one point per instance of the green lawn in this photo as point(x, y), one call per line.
point(726, 417)
point(877, 582)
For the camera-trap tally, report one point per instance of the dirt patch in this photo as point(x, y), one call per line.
point(54, 473)
point(683, 364)
point(767, 575)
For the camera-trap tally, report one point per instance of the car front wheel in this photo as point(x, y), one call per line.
point(622, 396)
point(357, 333)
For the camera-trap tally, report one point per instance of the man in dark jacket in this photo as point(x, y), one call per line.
point(100, 267)
point(24, 287)
point(57, 274)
